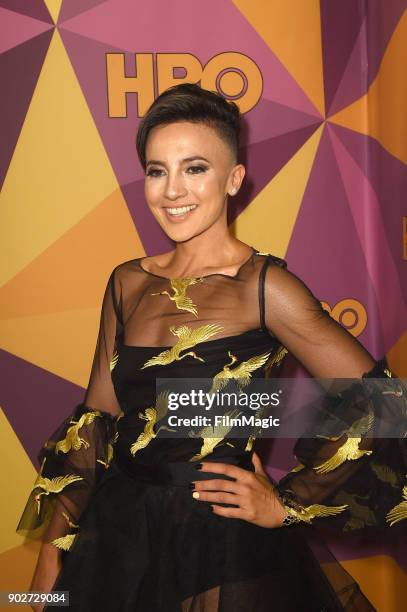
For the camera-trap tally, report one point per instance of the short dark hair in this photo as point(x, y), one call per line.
point(190, 102)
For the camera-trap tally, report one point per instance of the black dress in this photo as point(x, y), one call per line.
point(113, 492)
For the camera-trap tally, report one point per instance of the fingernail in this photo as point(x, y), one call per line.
point(199, 466)
point(191, 485)
point(195, 495)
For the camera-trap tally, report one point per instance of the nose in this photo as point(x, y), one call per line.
point(174, 186)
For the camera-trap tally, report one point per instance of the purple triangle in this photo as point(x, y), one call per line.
point(388, 178)
point(35, 401)
point(324, 249)
point(340, 26)
point(32, 8)
point(26, 59)
point(367, 53)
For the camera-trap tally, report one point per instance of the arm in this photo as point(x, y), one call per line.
point(75, 456)
point(365, 484)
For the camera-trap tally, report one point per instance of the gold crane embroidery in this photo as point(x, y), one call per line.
point(52, 485)
point(308, 513)
point(65, 542)
point(242, 372)
point(114, 360)
point(179, 287)
point(151, 415)
point(399, 512)
point(109, 457)
point(298, 468)
point(383, 472)
point(212, 436)
point(350, 449)
point(72, 439)
point(250, 442)
point(187, 338)
point(362, 514)
point(276, 359)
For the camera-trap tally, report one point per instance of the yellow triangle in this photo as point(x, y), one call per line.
point(62, 343)
point(59, 171)
point(292, 30)
point(17, 476)
point(381, 113)
point(71, 273)
point(54, 7)
point(268, 221)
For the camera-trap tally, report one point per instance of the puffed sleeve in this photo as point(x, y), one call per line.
point(352, 477)
point(76, 455)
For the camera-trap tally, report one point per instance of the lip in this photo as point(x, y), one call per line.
point(178, 218)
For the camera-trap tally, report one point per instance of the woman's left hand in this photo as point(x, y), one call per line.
point(252, 492)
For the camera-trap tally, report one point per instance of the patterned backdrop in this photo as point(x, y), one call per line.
point(322, 85)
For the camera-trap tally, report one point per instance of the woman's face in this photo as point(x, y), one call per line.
point(188, 165)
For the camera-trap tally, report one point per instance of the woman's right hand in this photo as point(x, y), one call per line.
point(46, 572)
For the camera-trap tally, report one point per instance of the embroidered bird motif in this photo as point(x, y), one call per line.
point(298, 468)
point(212, 436)
point(187, 338)
point(383, 472)
point(151, 415)
point(109, 457)
point(350, 449)
point(250, 442)
point(65, 542)
point(399, 512)
point(276, 360)
point(362, 514)
point(52, 485)
point(308, 513)
point(72, 439)
point(241, 373)
point(114, 360)
point(179, 287)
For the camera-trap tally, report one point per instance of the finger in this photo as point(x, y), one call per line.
point(226, 468)
point(218, 484)
point(258, 466)
point(221, 497)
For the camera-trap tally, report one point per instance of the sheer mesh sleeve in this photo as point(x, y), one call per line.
point(355, 479)
point(76, 455)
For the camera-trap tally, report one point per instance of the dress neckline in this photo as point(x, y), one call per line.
point(257, 331)
point(234, 276)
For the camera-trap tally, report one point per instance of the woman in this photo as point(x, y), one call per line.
point(127, 522)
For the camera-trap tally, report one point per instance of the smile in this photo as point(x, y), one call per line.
point(180, 211)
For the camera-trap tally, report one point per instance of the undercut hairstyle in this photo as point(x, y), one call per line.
point(190, 102)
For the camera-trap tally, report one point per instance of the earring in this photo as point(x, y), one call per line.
point(233, 191)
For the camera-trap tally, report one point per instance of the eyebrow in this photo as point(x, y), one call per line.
point(186, 159)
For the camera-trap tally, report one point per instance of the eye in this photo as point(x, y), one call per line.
point(153, 172)
point(199, 169)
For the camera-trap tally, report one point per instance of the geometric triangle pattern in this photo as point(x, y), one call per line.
point(322, 88)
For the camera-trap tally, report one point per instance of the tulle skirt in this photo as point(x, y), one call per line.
point(148, 547)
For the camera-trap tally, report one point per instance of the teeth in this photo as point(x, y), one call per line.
point(181, 211)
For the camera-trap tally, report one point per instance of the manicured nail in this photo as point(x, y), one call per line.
point(199, 466)
point(195, 495)
point(191, 485)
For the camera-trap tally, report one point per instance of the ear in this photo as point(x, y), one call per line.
point(237, 174)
